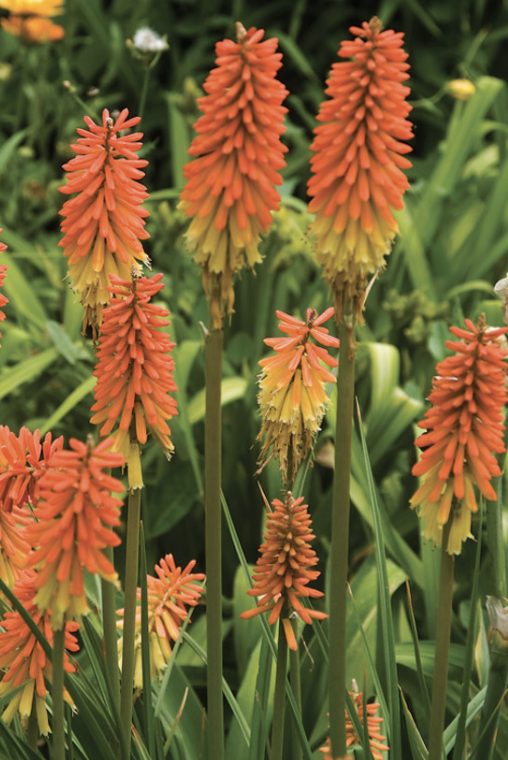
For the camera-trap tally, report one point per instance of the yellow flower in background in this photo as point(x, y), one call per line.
point(461, 89)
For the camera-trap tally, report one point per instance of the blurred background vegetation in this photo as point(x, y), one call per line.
point(452, 249)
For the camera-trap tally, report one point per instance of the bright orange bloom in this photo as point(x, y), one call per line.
point(282, 572)
point(3, 270)
point(293, 397)
point(134, 367)
point(105, 222)
point(464, 426)
point(357, 178)
point(23, 660)
point(168, 595)
point(75, 517)
point(376, 739)
point(23, 460)
point(230, 189)
point(33, 28)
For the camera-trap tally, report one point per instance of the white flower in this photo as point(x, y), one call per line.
point(148, 41)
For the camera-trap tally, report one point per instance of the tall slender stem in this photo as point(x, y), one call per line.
point(444, 625)
point(296, 686)
point(213, 543)
point(340, 538)
point(110, 635)
point(57, 687)
point(495, 541)
point(129, 625)
point(279, 699)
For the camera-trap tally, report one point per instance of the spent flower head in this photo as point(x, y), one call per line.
point(292, 397)
point(464, 432)
point(359, 155)
point(230, 191)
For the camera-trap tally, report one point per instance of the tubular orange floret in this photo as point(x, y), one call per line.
point(23, 659)
point(464, 430)
point(292, 396)
point(169, 594)
point(75, 517)
point(282, 572)
point(230, 191)
point(105, 222)
point(134, 367)
point(376, 739)
point(359, 157)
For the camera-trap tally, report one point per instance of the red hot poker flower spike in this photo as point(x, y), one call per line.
point(23, 659)
point(134, 367)
point(168, 595)
point(358, 159)
point(105, 222)
point(376, 739)
point(464, 429)
point(75, 517)
point(230, 189)
point(282, 572)
point(292, 397)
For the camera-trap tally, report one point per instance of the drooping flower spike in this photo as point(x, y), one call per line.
point(359, 157)
point(292, 398)
point(104, 224)
point(134, 368)
point(230, 191)
point(282, 573)
point(169, 594)
point(75, 517)
point(3, 270)
point(24, 661)
point(464, 430)
point(376, 739)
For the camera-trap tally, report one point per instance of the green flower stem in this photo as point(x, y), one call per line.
point(33, 729)
point(110, 636)
point(279, 699)
point(213, 543)
point(340, 538)
point(495, 541)
point(144, 91)
point(57, 687)
point(131, 585)
point(296, 686)
point(444, 624)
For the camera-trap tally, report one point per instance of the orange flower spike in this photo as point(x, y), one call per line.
point(169, 594)
point(359, 155)
point(104, 224)
point(75, 517)
point(292, 396)
point(134, 367)
point(230, 191)
point(376, 739)
point(464, 429)
point(282, 574)
point(23, 659)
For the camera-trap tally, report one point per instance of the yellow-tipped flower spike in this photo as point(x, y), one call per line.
point(293, 397)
